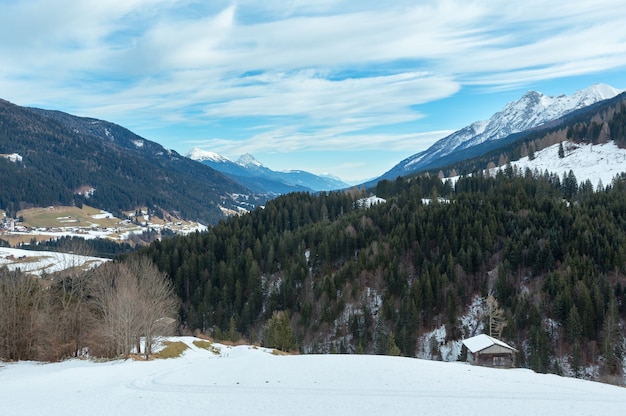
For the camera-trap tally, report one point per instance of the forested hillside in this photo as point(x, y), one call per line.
point(355, 279)
point(67, 160)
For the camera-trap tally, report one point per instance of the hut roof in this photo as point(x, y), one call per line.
point(482, 341)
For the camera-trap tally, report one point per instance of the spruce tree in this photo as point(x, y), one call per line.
point(612, 349)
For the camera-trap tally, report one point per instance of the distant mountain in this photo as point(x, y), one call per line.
point(60, 159)
point(531, 110)
point(251, 173)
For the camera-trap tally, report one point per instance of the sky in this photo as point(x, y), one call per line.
point(348, 88)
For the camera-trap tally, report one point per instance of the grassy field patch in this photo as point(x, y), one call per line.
point(65, 216)
point(172, 349)
point(207, 345)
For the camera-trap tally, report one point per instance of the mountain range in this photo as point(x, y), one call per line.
point(533, 109)
point(54, 158)
point(250, 173)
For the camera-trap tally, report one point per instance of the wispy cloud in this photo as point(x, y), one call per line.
point(317, 75)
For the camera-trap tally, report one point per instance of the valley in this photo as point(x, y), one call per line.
point(403, 266)
point(312, 207)
point(43, 224)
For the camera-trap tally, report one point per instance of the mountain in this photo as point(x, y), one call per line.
point(251, 173)
point(533, 109)
point(60, 159)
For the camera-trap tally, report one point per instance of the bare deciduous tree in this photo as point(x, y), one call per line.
point(68, 298)
point(134, 300)
point(20, 302)
point(156, 300)
point(114, 293)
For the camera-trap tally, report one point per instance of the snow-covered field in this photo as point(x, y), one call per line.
point(38, 262)
point(245, 380)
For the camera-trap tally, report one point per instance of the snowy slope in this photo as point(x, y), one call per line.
point(600, 162)
point(251, 381)
point(39, 262)
point(203, 155)
point(532, 110)
point(248, 161)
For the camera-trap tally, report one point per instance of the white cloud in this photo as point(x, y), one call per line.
point(306, 93)
point(323, 72)
point(289, 139)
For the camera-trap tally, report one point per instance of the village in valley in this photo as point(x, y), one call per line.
point(39, 224)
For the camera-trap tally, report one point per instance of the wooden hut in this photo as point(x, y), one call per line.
point(489, 352)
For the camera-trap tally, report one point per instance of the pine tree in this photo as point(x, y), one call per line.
point(278, 333)
point(392, 347)
point(612, 341)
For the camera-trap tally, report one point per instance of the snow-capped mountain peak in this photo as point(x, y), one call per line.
point(599, 92)
point(531, 110)
point(252, 174)
point(249, 161)
point(202, 155)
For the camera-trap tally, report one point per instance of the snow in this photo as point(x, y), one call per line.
point(248, 161)
point(433, 344)
point(252, 381)
point(201, 155)
point(13, 157)
point(601, 162)
point(441, 200)
point(368, 202)
point(482, 341)
point(38, 262)
point(435, 347)
point(102, 215)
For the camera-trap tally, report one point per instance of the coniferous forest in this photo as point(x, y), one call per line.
point(352, 278)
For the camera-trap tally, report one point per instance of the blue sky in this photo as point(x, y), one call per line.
point(329, 86)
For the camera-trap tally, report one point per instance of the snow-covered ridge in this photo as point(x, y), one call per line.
point(202, 155)
point(248, 161)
